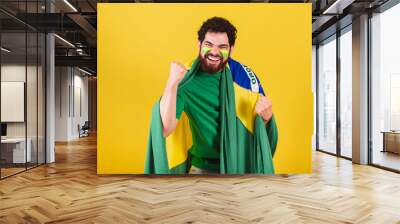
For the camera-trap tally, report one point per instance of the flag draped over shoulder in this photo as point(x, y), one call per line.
point(247, 144)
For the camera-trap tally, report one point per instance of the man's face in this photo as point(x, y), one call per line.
point(214, 52)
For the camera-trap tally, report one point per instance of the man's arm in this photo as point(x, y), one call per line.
point(168, 99)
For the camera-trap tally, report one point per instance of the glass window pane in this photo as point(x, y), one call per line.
point(22, 88)
point(32, 86)
point(32, 95)
point(327, 96)
point(346, 94)
point(41, 98)
point(14, 153)
point(386, 88)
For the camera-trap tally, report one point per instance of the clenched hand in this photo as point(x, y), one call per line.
point(264, 108)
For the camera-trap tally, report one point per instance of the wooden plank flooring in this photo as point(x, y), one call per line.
point(70, 191)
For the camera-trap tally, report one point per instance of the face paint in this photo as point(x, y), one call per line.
point(225, 54)
point(205, 50)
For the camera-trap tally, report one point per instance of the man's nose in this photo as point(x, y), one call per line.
point(215, 51)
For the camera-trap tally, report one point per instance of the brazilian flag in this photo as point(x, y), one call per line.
point(247, 144)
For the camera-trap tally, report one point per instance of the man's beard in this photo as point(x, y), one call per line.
point(209, 67)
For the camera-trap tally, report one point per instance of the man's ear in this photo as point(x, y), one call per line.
point(199, 44)
point(232, 48)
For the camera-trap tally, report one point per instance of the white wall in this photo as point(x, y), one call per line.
point(80, 84)
point(62, 78)
point(71, 93)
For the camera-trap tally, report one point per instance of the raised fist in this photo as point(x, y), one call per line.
point(176, 73)
point(264, 108)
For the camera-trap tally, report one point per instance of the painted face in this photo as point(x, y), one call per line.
point(214, 52)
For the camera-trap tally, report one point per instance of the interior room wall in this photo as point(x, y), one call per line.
point(124, 112)
point(70, 83)
point(62, 78)
point(92, 108)
point(80, 83)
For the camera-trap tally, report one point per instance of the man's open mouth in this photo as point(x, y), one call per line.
point(213, 58)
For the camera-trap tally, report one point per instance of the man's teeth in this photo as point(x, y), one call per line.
point(212, 58)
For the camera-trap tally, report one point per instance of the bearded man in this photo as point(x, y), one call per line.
point(213, 116)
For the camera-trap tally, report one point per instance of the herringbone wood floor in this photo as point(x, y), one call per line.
point(70, 191)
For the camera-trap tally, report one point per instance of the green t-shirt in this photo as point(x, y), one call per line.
point(200, 99)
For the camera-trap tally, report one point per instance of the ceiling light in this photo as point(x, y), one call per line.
point(70, 5)
point(64, 40)
point(337, 7)
point(5, 50)
point(84, 71)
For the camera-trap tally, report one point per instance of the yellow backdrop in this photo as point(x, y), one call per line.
point(137, 42)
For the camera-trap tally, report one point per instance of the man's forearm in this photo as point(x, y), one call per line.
point(168, 100)
point(168, 108)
